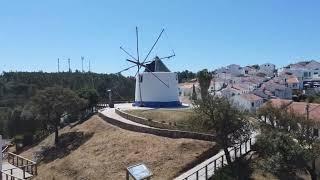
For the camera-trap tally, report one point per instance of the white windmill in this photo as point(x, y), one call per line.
point(156, 86)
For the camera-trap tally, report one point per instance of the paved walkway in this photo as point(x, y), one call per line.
point(16, 172)
point(110, 112)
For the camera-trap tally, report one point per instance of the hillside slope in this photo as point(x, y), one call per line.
point(98, 150)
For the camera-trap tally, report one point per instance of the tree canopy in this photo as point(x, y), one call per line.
point(229, 125)
point(204, 79)
point(53, 103)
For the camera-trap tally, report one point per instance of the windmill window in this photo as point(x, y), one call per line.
point(140, 78)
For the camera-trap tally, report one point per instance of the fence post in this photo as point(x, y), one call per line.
point(250, 143)
point(197, 175)
point(24, 172)
point(245, 146)
point(235, 153)
point(240, 150)
point(215, 165)
point(206, 172)
point(222, 161)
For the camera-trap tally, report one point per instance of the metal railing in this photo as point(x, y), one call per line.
point(4, 154)
point(211, 168)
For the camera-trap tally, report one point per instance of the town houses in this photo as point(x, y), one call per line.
point(252, 85)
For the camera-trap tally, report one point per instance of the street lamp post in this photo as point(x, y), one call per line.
point(111, 105)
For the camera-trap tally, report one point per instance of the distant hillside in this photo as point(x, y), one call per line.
point(16, 88)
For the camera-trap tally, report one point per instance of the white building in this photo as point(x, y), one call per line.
point(235, 70)
point(305, 70)
point(186, 89)
point(157, 86)
point(249, 70)
point(249, 102)
point(293, 82)
point(232, 69)
point(267, 69)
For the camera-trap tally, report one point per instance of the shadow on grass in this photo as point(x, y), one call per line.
point(82, 120)
point(242, 168)
point(202, 157)
point(68, 142)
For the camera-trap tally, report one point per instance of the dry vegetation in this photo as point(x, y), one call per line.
point(98, 150)
point(179, 116)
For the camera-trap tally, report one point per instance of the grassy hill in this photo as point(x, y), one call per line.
point(98, 150)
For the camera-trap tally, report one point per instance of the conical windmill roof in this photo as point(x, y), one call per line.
point(156, 66)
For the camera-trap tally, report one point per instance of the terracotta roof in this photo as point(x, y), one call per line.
point(251, 97)
point(280, 102)
point(292, 80)
point(238, 87)
point(299, 107)
point(187, 85)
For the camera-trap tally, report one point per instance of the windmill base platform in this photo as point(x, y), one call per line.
point(157, 104)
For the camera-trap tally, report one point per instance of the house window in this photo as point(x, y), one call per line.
point(315, 73)
point(252, 104)
point(316, 132)
point(140, 78)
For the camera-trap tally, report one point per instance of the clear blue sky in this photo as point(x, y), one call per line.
point(204, 34)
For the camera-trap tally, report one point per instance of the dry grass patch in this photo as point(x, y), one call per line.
point(178, 116)
point(107, 150)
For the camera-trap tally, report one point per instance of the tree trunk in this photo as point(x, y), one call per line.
point(230, 164)
point(56, 135)
point(228, 157)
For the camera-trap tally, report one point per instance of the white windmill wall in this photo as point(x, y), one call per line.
point(154, 93)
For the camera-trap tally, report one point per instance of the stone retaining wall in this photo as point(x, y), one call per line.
point(144, 121)
point(157, 131)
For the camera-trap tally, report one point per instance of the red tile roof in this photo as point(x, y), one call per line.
point(251, 97)
point(299, 107)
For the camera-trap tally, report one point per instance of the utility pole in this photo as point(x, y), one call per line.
point(69, 64)
point(89, 65)
point(58, 65)
point(82, 58)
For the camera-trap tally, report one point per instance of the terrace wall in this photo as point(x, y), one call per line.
point(158, 131)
